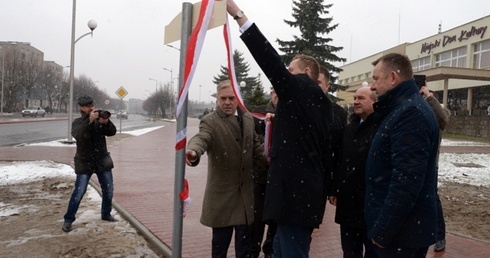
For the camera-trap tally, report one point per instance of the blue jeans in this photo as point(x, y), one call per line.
point(292, 241)
point(81, 183)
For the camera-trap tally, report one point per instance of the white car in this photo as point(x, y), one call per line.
point(122, 114)
point(33, 111)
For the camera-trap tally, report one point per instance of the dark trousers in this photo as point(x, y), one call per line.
point(400, 252)
point(353, 240)
point(258, 226)
point(81, 184)
point(441, 223)
point(292, 241)
point(222, 239)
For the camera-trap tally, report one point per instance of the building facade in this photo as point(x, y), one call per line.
point(456, 63)
point(26, 78)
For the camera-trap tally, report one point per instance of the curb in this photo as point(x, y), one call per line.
point(155, 243)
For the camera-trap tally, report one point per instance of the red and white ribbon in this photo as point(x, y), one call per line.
point(193, 53)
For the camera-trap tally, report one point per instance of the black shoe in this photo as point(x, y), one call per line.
point(269, 256)
point(66, 226)
point(440, 246)
point(110, 218)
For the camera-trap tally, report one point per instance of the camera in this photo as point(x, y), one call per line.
point(420, 80)
point(104, 113)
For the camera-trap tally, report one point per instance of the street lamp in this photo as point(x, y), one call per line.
point(173, 47)
point(59, 99)
point(3, 71)
point(156, 83)
point(200, 93)
point(171, 75)
point(91, 25)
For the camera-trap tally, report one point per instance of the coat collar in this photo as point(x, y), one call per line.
point(393, 97)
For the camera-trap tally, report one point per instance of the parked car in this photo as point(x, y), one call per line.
point(33, 111)
point(122, 114)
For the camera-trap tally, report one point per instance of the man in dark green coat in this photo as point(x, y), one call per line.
point(235, 156)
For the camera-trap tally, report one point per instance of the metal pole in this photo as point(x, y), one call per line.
point(156, 85)
point(181, 125)
point(171, 75)
point(3, 71)
point(72, 69)
point(59, 99)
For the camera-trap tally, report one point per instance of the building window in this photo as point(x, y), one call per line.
point(421, 64)
point(368, 75)
point(481, 55)
point(452, 58)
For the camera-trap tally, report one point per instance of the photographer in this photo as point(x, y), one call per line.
point(442, 115)
point(91, 157)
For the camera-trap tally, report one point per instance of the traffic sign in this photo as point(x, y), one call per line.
point(121, 92)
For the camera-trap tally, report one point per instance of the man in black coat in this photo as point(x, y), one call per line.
point(339, 115)
point(298, 177)
point(258, 226)
point(91, 157)
point(349, 190)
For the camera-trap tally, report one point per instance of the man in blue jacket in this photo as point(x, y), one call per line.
point(401, 214)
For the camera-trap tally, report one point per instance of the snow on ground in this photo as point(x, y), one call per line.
point(59, 143)
point(23, 172)
point(446, 142)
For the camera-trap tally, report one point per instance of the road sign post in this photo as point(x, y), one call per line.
point(121, 93)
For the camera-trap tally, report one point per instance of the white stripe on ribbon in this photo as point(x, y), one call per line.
point(194, 48)
point(193, 53)
point(231, 65)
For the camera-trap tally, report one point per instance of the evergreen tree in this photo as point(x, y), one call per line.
point(256, 98)
point(310, 18)
point(241, 72)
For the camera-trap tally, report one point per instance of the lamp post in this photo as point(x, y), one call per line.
point(156, 83)
point(91, 25)
point(3, 71)
point(200, 93)
point(171, 76)
point(59, 99)
point(170, 46)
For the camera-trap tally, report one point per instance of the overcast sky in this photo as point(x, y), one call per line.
point(127, 47)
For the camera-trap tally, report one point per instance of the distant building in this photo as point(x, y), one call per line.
point(197, 109)
point(456, 63)
point(29, 79)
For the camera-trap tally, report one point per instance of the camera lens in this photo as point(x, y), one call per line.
point(104, 114)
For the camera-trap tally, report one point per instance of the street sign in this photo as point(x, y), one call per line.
point(174, 28)
point(107, 102)
point(121, 92)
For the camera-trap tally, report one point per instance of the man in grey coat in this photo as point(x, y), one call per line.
point(235, 156)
